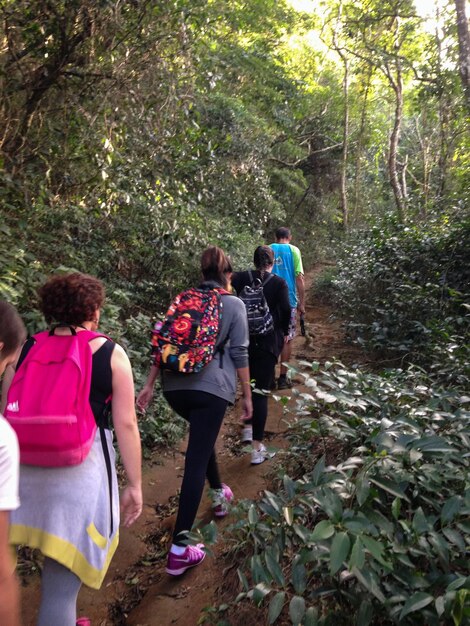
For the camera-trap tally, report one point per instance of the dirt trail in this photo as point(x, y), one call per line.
point(137, 591)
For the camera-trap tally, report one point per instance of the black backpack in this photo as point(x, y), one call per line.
point(260, 320)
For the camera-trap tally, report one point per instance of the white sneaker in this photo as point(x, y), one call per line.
point(247, 434)
point(261, 455)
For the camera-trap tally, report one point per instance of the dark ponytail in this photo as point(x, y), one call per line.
point(215, 265)
point(263, 258)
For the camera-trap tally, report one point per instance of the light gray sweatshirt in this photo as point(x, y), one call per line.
point(219, 377)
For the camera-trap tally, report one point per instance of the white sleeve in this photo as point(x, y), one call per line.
point(9, 468)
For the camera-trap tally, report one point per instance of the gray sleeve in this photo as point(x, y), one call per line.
point(239, 338)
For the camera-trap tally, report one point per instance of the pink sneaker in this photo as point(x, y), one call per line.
point(178, 563)
point(83, 621)
point(221, 500)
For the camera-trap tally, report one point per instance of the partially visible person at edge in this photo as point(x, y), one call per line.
point(288, 265)
point(264, 350)
point(201, 399)
point(12, 337)
point(66, 512)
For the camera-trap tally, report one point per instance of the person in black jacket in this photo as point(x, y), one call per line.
point(264, 350)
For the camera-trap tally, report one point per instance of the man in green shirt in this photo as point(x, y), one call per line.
point(288, 265)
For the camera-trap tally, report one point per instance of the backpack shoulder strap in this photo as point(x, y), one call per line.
point(224, 292)
point(30, 342)
point(268, 278)
point(250, 275)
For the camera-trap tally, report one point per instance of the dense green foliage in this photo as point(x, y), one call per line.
point(133, 134)
point(380, 536)
point(406, 291)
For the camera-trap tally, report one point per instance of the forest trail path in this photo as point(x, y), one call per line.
point(136, 590)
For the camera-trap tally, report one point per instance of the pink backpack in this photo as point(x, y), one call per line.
point(48, 401)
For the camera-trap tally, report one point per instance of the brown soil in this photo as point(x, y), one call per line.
point(136, 590)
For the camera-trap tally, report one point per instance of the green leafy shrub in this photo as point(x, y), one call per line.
point(406, 292)
point(382, 536)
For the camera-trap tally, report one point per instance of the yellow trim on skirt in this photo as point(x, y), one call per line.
point(64, 552)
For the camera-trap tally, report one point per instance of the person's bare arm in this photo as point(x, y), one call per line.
point(244, 377)
point(127, 433)
point(7, 378)
point(146, 394)
point(9, 589)
point(300, 284)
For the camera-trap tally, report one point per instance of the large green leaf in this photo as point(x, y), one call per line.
point(369, 579)
point(420, 523)
point(450, 509)
point(357, 558)
point(318, 471)
point(252, 514)
point(455, 537)
point(274, 567)
point(323, 530)
point(362, 489)
point(260, 591)
point(433, 444)
point(299, 576)
point(296, 610)
point(417, 601)
point(391, 487)
point(275, 606)
point(375, 548)
point(311, 616)
point(339, 551)
point(288, 512)
point(257, 570)
point(365, 613)
point(396, 508)
point(289, 486)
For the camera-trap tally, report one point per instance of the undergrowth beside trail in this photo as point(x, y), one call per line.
point(367, 521)
point(405, 291)
point(380, 536)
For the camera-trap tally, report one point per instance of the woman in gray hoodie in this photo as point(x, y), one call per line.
point(202, 398)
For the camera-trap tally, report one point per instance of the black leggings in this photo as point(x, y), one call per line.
point(262, 370)
point(205, 413)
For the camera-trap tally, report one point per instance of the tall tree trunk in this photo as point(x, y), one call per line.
point(464, 48)
point(360, 144)
point(345, 143)
point(397, 85)
point(444, 111)
point(344, 163)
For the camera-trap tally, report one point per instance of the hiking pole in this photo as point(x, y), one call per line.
point(302, 325)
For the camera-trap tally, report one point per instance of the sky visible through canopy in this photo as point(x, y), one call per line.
point(424, 8)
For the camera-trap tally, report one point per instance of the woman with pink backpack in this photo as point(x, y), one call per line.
point(68, 485)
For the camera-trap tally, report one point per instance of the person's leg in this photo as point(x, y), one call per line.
point(262, 370)
point(212, 472)
point(260, 414)
point(283, 382)
point(285, 357)
point(205, 415)
point(59, 592)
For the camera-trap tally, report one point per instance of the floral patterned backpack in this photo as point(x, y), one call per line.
point(186, 339)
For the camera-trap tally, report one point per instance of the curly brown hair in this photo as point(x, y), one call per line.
point(71, 298)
